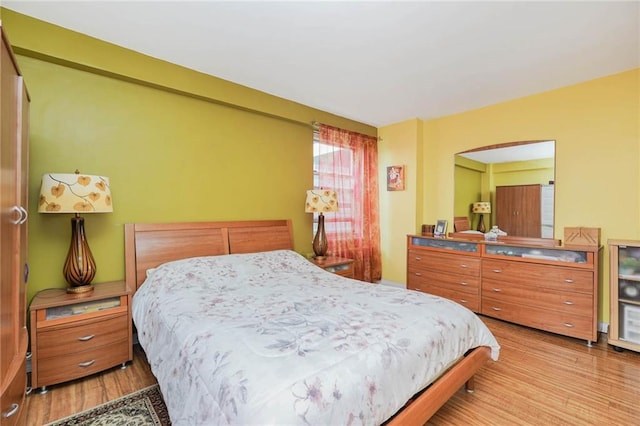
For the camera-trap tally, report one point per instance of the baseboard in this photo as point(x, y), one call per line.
point(603, 327)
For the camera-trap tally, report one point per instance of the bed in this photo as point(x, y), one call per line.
point(240, 329)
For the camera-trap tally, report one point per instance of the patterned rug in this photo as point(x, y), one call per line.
point(142, 408)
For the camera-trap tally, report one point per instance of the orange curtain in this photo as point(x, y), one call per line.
point(350, 167)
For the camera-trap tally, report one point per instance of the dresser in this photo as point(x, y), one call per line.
point(73, 335)
point(445, 268)
point(549, 288)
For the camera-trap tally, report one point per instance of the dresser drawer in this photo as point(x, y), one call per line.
point(464, 283)
point(81, 336)
point(79, 364)
point(572, 303)
point(554, 277)
point(572, 325)
point(468, 300)
point(443, 262)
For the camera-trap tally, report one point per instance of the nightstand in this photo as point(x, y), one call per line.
point(75, 335)
point(337, 265)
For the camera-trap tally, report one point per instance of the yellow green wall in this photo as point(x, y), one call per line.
point(400, 211)
point(596, 126)
point(177, 145)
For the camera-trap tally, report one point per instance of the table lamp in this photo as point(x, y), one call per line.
point(321, 201)
point(76, 193)
point(481, 208)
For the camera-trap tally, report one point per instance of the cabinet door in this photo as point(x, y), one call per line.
point(518, 210)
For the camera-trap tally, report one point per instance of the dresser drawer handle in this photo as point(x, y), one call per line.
point(568, 302)
point(464, 301)
point(497, 290)
point(463, 265)
point(85, 338)
point(418, 274)
point(418, 258)
point(14, 409)
point(497, 271)
point(566, 324)
point(87, 363)
point(496, 309)
point(569, 280)
point(464, 283)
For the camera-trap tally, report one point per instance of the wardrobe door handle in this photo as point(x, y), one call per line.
point(23, 215)
point(14, 409)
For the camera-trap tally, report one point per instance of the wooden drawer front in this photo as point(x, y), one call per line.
point(79, 364)
point(469, 300)
point(578, 326)
point(13, 400)
point(572, 303)
point(443, 262)
point(554, 277)
point(463, 283)
point(81, 336)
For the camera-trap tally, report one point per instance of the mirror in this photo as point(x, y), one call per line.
point(516, 178)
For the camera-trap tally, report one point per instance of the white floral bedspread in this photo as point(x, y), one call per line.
point(270, 339)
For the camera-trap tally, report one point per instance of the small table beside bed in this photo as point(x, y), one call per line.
point(239, 329)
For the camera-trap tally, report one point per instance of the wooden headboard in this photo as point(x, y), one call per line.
point(148, 245)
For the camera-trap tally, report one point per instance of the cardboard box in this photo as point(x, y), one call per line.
point(581, 236)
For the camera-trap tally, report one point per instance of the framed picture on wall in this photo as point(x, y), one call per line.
point(441, 228)
point(395, 178)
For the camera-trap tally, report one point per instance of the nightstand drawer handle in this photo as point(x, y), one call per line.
point(85, 338)
point(14, 409)
point(86, 364)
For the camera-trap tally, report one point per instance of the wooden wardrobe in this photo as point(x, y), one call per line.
point(14, 271)
point(519, 210)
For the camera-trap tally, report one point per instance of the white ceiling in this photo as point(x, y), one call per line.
point(375, 62)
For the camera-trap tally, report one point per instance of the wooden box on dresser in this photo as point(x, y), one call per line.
point(75, 335)
point(549, 288)
point(14, 150)
point(624, 287)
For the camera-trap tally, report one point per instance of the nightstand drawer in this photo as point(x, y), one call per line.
point(81, 336)
point(72, 366)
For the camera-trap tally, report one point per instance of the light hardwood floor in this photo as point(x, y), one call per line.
point(540, 379)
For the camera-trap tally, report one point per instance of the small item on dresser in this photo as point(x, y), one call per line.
point(494, 233)
point(427, 229)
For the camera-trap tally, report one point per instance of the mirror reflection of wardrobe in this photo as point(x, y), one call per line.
point(525, 210)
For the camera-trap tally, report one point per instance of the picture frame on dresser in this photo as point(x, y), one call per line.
point(441, 228)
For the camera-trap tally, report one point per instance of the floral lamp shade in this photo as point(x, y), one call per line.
point(481, 207)
point(74, 193)
point(321, 201)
